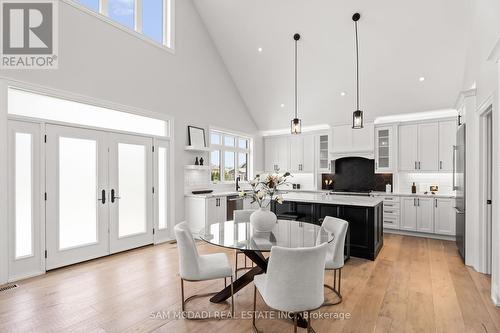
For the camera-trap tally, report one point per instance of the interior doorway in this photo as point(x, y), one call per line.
point(487, 188)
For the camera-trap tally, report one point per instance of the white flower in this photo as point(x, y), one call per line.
point(279, 199)
point(241, 194)
point(261, 194)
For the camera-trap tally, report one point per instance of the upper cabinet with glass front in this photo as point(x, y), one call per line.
point(323, 149)
point(384, 150)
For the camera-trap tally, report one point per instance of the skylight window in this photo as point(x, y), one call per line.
point(152, 19)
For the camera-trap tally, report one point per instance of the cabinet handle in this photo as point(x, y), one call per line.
point(414, 202)
point(415, 165)
point(418, 202)
point(440, 165)
point(376, 165)
point(435, 203)
point(418, 165)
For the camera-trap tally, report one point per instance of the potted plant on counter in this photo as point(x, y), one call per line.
point(264, 191)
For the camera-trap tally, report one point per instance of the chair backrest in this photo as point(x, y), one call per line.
point(188, 253)
point(242, 215)
point(295, 278)
point(337, 228)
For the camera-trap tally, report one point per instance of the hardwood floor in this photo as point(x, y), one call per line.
point(415, 285)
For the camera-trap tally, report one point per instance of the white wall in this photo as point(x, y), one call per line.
point(481, 74)
point(100, 61)
point(193, 86)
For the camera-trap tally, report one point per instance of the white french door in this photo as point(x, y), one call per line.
point(77, 199)
point(99, 187)
point(130, 192)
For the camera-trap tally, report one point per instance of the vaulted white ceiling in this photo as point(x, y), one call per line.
point(400, 41)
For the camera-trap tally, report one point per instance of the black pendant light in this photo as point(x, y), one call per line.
point(296, 122)
point(357, 116)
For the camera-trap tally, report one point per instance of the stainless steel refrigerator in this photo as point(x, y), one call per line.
point(459, 187)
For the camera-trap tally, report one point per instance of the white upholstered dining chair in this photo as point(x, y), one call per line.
point(241, 216)
point(195, 267)
point(337, 229)
point(293, 281)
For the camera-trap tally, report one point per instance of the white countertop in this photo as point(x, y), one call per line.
point(349, 200)
point(407, 194)
point(321, 193)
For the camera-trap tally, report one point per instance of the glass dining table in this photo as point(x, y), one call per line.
point(242, 236)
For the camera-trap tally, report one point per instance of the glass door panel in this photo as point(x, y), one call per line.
point(131, 191)
point(78, 219)
point(77, 210)
point(162, 192)
point(24, 194)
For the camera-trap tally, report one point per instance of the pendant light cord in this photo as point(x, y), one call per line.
point(357, 65)
point(296, 79)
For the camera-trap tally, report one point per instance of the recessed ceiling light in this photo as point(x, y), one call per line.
point(282, 105)
point(259, 49)
point(421, 79)
point(343, 93)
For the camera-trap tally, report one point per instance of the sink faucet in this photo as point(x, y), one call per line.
point(237, 183)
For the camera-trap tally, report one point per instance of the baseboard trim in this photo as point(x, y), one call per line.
point(495, 298)
point(19, 277)
point(419, 234)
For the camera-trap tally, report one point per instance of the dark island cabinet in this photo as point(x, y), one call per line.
point(365, 234)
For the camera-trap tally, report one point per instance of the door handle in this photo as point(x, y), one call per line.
point(103, 197)
point(113, 197)
point(454, 187)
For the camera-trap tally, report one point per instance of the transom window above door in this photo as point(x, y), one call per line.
point(230, 156)
point(152, 19)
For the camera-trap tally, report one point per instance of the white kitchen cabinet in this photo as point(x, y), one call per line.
point(447, 139)
point(276, 154)
point(301, 153)
point(348, 140)
point(425, 215)
point(323, 153)
point(384, 150)
point(428, 148)
point(408, 214)
point(408, 147)
point(444, 216)
point(203, 211)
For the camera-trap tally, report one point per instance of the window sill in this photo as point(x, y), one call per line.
point(129, 31)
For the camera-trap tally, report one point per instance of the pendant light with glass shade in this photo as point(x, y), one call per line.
point(296, 122)
point(357, 116)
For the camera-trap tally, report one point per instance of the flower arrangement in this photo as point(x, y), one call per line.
point(265, 188)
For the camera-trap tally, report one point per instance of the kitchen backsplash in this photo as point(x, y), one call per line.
point(423, 181)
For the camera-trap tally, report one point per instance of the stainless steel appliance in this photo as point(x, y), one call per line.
point(234, 202)
point(459, 186)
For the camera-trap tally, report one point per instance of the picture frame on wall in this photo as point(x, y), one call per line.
point(196, 137)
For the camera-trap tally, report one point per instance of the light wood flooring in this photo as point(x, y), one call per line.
point(415, 285)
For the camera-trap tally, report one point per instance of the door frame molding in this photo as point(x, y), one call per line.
point(483, 112)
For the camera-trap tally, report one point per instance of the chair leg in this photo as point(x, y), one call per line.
point(254, 309)
point(232, 298)
point(308, 321)
point(182, 295)
point(335, 287)
point(236, 264)
point(225, 283)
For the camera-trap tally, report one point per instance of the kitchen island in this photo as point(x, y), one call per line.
point(364, 214)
